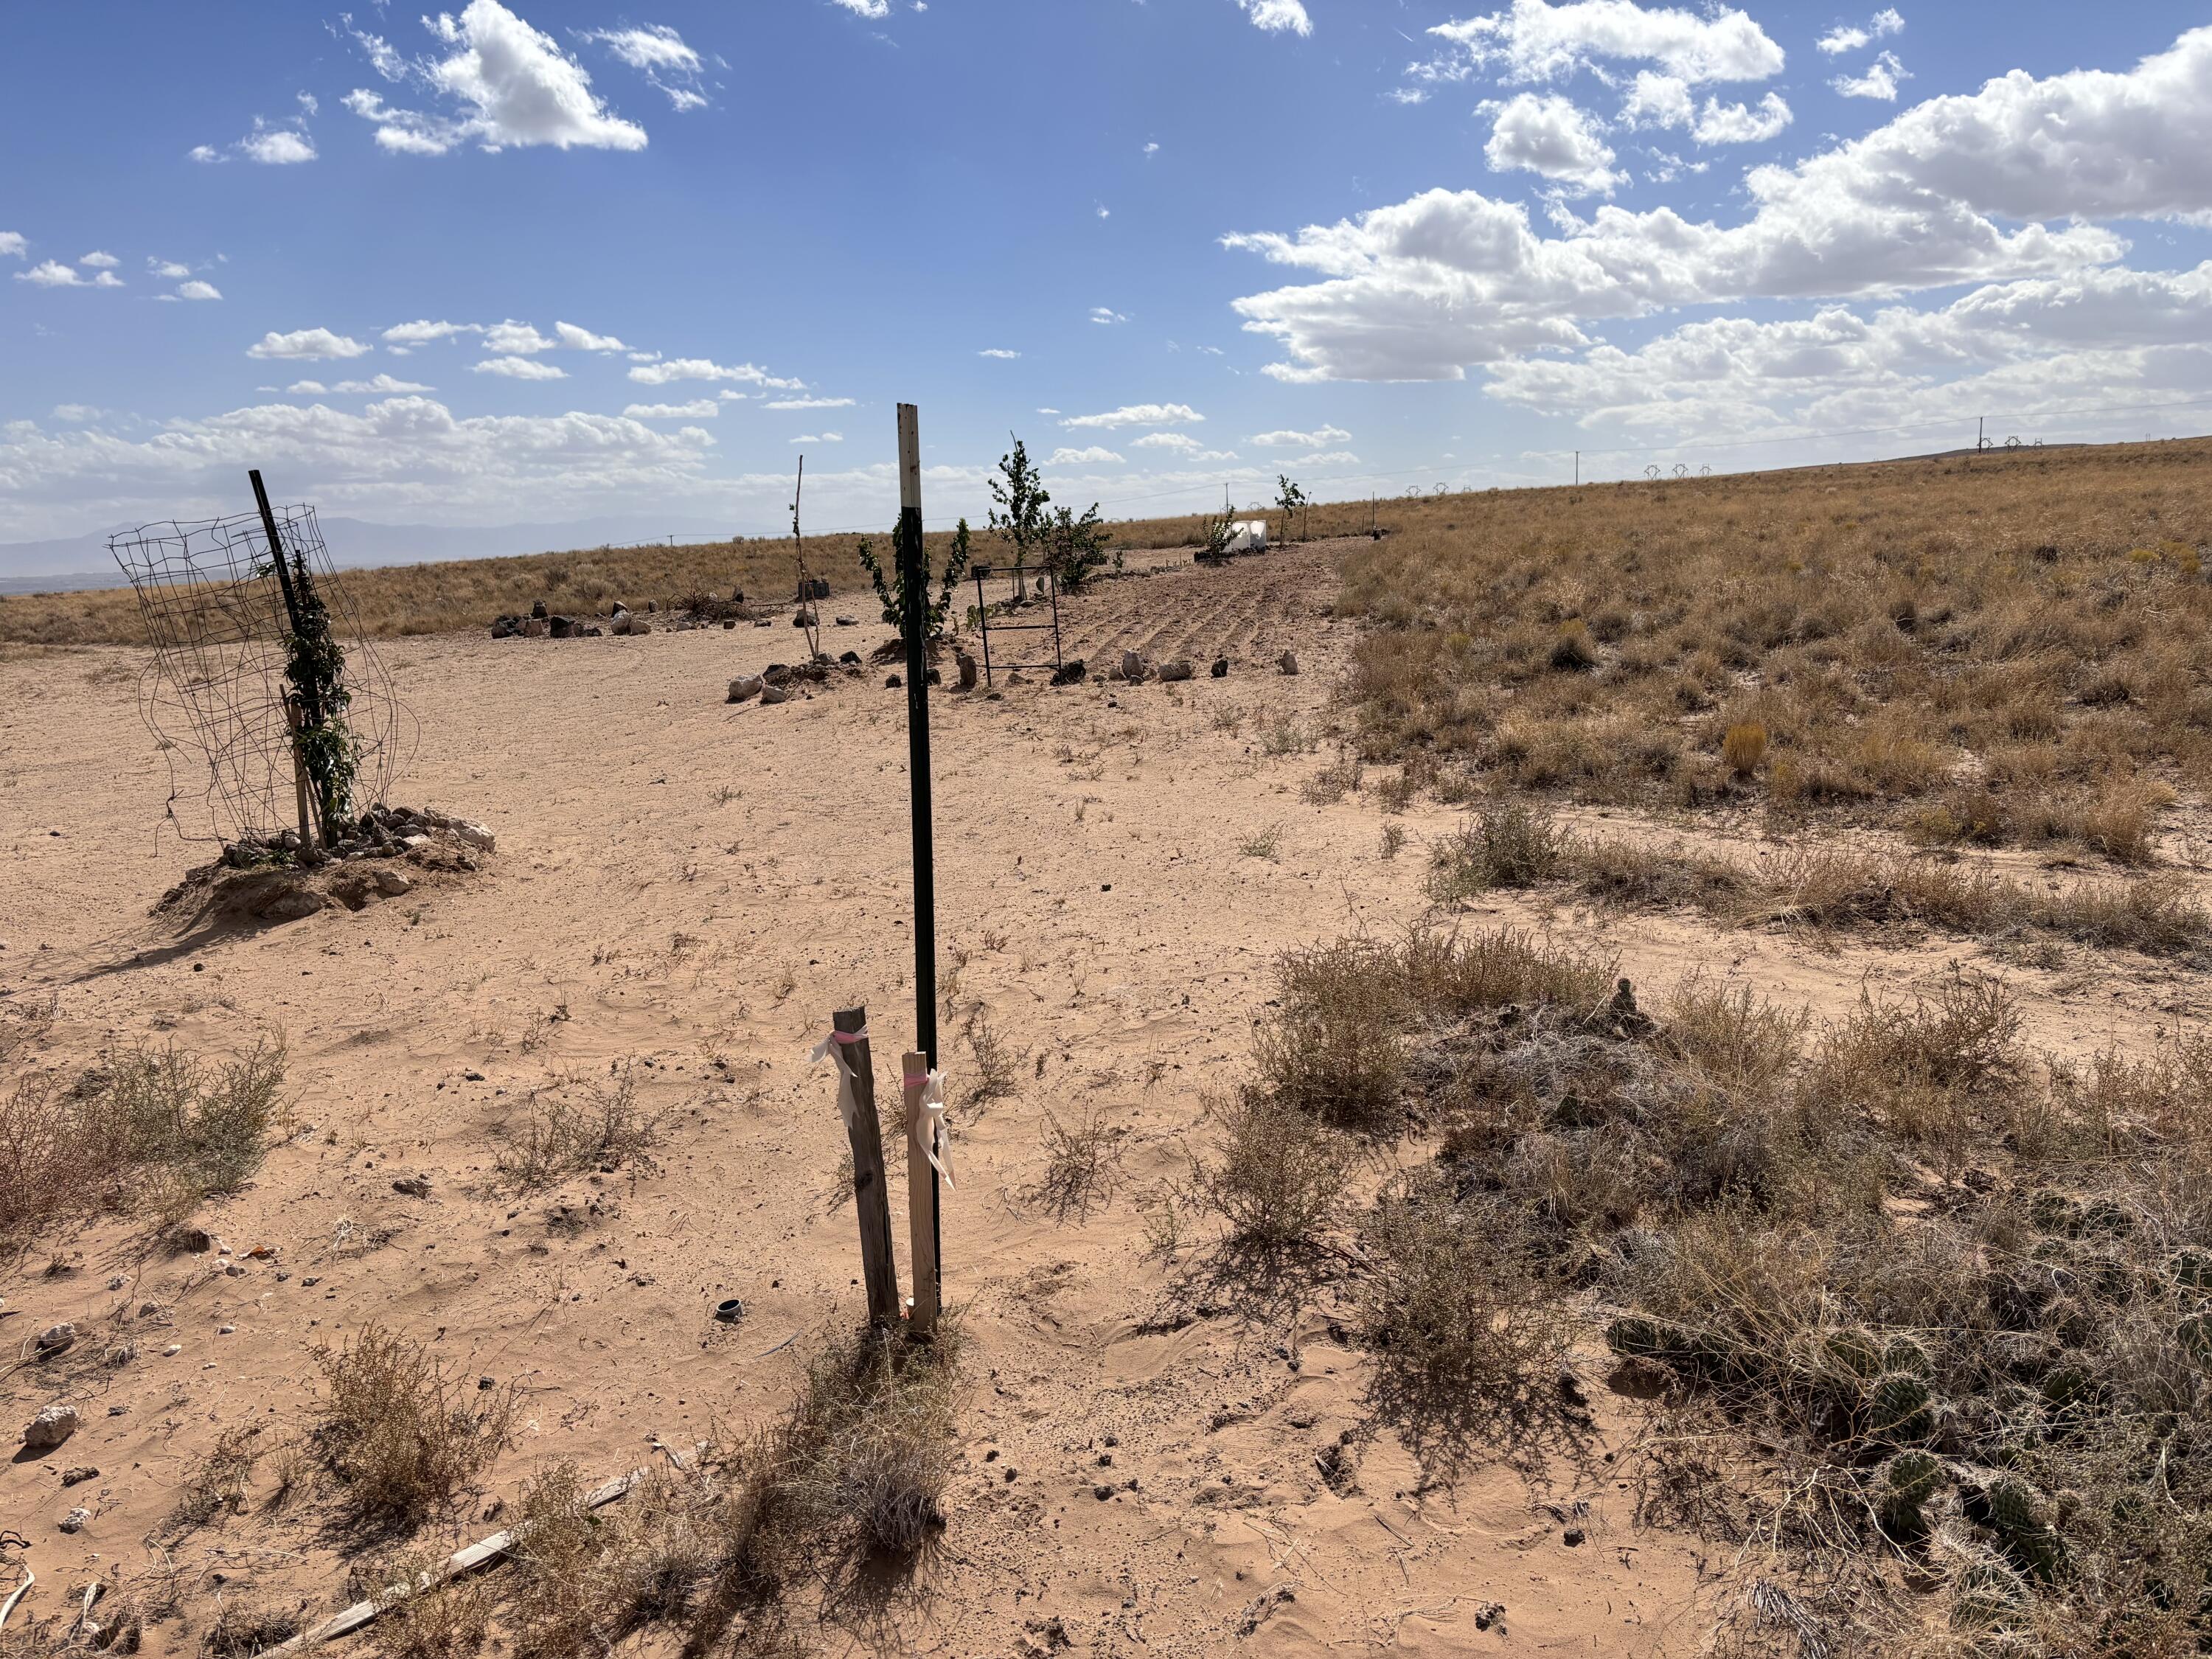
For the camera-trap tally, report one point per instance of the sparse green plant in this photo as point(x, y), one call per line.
point(1505, 844)
point(1394, 840)
point(1266, 844)
point(555, 1137)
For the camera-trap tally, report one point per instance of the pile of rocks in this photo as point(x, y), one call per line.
point(704, 611)
point(540, 624)
point(780, 682)
point(381, 832)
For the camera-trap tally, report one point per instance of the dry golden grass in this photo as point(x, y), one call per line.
point(2009, 648)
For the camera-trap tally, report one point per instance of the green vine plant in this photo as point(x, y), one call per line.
point(891, 589)
point(315, 663)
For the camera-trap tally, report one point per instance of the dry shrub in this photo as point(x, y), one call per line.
point(1332, 782)
point(1744, 747)
point(1082, 1161)
point(216, 1484)
point(997, 1062)
point(585, 1579)
point(2120, 824)
point(160, 1131)
point(1452, 1300)
point(241, 1629)
point(1277, 1176)
point(402, 1434)
point(421, 1620)
point(556, 1137)
point(1732, 1037)
point(1331, 1049)
point(1506, 844)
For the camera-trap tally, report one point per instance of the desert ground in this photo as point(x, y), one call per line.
point(1160, 1450)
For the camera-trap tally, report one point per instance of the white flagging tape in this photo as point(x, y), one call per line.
point(836, 1042)
point(939, 1149)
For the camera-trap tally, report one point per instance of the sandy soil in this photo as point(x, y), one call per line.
point(695, 887)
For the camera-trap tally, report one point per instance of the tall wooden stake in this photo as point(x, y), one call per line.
point(299, 774)
point(880, 1272)
point(913, 584)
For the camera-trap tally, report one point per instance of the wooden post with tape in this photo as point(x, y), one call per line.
point(921, 1197)
point(870, 1199)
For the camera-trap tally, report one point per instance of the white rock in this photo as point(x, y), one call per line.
point(75, 1519)
point(745, 687)
point(475, 836)
point(391, 884)
point(173, 1350)
point(52, 1426)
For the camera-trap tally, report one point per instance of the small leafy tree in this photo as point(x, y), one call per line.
point(1075, 547)
point(892, 590)
point(1289, 498)
point(1019, 513)
point(1215, 532)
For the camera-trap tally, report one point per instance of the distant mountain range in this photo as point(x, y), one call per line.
point(78, 562)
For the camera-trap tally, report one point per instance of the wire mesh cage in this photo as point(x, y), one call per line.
point(216, 693)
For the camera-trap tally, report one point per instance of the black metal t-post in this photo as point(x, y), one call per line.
point(913, 584)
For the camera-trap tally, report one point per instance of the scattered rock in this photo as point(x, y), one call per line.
point(52, 1426)
point(1221, 668)
point(55, 1338)
point(1177, 668)
point(744, 688)
point(1288, 662)
point(967, 666)
point(1070, 673)
point(849, 659)
point(849, 622)
point(233, 1269)
point(391, 884)
point(1133, 667)
point(75, 1520)
point(772, 695)
point(892, 682)
point(78, 1476)
point(173, 1350)
point(413, 1186)
point(226, 1330)
point(1572, 1537)
point(475, 835)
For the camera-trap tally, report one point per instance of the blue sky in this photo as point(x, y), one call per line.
point(1375, 246)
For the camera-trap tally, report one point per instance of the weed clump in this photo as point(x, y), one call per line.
point(1277, 1176)
point(555, 1138)
point(402, 1436)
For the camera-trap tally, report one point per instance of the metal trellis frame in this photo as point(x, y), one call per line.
point(1018, 598)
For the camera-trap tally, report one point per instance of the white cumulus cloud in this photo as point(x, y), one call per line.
point(199, 289)
point(1878, 81)
point(306, 344)
point(1551, 136)
point(573, 338)
point(12, 245)
point(705, 368)
point(99, 261)
point(1319, 438)
point(506, 84)
point(1106, 314)
point(1536, 41)
point(809, 402)
point(1277, 17)
point(1095, 455)
point(2018, 181)
point(997, 351)
point(519, 369)
point(699, 409)
point(1137, 415)
point(1845, 37)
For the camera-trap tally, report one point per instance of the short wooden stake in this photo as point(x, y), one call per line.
point(870, 1197)
point(299, 775)
point(920, 1198)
